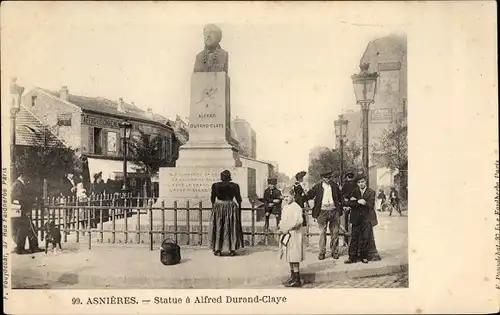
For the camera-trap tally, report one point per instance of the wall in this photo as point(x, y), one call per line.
point(47, 109)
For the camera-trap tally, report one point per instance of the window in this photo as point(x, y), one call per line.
point(98, 140)
point(168, 148)
point(64, 120)
point(159, 148)
point(33, 100)
point(112, 141)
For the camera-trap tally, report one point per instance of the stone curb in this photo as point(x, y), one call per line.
point(124, 282)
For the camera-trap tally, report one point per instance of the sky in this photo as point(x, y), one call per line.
point(290, 78)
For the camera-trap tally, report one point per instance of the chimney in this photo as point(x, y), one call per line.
point(149, 113)
point(64, 93)
point(121, 105)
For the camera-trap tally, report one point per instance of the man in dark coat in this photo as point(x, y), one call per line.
point(300, 195)
point(362, 203)
point(22, 200)
point(327, 210)
point(394, 198)
point(272, 202)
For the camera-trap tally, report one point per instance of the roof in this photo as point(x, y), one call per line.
point(390, 48)
point(30, 131)
point(106, 106)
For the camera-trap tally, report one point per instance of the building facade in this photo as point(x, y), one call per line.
point(388, 57)
point(91, 125)
point(246, 137)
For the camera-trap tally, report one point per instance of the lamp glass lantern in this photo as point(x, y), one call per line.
point(341, 126)
point(16, 91)
point(125, 129)
point(365, 85)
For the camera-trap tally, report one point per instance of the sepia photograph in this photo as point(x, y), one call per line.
point(204, 154)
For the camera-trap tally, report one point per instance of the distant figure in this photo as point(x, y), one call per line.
point(327, 210)
point(394, 198)
point(272, 202)
point(381, 198)
point(213, 58)
point(225, 230)
point(292, 236)
point(68, 188)
point(300, 194)
point(98, 186)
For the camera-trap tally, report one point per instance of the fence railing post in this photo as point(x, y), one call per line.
point(138, 227)
point(175, 222)
point(65, 219)
point(126, 219)
point(162, 219)
point(200, 221)
point(89, 222)
point(253, 224)
point(188, 226)
point(77, 225)
point(101, 219)
point(150, 205)
point(113, 219)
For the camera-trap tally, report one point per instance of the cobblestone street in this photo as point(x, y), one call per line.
point(399, 280)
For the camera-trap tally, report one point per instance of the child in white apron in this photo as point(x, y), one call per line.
point(292, 236)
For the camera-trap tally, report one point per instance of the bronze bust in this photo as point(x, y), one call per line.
point(213, 58)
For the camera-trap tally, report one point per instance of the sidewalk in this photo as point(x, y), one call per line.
point(134, 266)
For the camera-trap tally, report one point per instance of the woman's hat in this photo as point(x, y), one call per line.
point(349, 174)
point(300, 175)
point(97, 175)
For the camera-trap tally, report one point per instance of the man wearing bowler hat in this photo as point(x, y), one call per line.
point(327, 210)
point(272, 201)
point(362, 203)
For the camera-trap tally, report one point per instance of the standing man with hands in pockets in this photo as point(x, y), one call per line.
point(327, 211)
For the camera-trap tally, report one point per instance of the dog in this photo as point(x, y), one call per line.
point(52, 235)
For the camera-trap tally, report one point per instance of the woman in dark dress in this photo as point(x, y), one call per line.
point(225, 221)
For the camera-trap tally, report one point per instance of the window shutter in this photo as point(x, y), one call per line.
point(104, 141)
point(91, 140)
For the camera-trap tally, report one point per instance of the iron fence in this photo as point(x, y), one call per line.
point(125, 219)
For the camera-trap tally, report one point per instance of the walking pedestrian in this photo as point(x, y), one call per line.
point(291, 236)
point(272, 202)
point(327, 210)
point(361, 202)
point(226, 233)
point(381, 198)
point(394, 198)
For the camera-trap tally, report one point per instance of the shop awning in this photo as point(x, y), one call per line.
point(111, 168)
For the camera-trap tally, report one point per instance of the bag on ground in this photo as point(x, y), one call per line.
point(170, 253)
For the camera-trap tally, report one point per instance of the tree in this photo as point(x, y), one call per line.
point(329, 160)
point(47, 159)
point(147, 154)
point(392, 151)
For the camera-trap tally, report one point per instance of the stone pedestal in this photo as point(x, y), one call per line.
point(207, 153)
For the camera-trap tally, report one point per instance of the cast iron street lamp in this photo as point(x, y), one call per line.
point(365, 84)
point(340, 134)
point(125, 129)
point(16, 91)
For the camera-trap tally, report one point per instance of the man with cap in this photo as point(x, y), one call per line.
point(361, 202)
point(327, 210)
point(300, 194)
point(272, 201)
